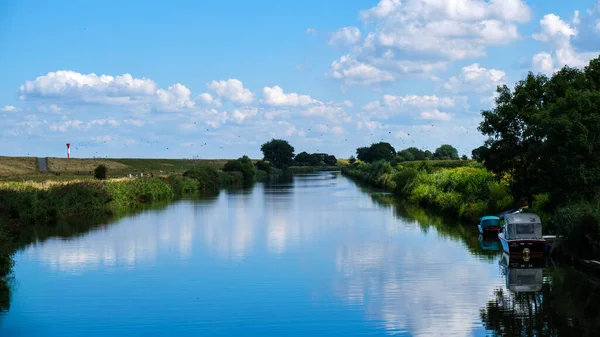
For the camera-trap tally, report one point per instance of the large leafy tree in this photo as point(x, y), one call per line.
point(279, 152)
point(446, 151)
point(545, 134)
point(375, 152)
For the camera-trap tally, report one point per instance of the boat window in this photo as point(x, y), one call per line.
point(492, 222)
point(525, 229)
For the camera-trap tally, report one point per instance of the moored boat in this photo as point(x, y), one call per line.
point(489, 225)
point(522, 235)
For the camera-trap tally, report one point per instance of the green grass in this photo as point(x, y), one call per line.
point(466, 192)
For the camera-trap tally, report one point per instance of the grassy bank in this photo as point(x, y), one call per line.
point(25, 168)
point(467, 192)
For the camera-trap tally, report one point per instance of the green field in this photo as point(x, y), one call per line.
point(26, 168)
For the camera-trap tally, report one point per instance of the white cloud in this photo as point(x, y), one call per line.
point(124, 90)
point(134, 122)
point(353, 72)
point(10, 108)
point(239, 115)
point(552, 27)
point(328, 112)
point(543, 62)
point(63, 126)
point(276, 97)
point(207, 99)
point(419, 37)
point(175, 98)
point(475, 79)
point(345, 36)
point(427, 101)
point(101, 122)
point(436, 115)
point(559, 35)
point(311, 31)
point(52, 108)
point(232, 90)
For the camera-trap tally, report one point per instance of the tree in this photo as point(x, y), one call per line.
point(352, 160)
point(279, 152)
point(331, 160)
point(100, 172)
point(464, 157)
point(428, 154)
point(375, 152)
point(302, 158)
point(446, 151)
point(479, 153)
point(416, 153)
point(405, 155)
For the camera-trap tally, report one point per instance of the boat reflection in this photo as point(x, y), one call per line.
point(522, 274)
point(489, 244)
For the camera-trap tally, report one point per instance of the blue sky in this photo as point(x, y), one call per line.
point(159, 79)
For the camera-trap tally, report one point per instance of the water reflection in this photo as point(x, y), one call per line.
point(312, 254)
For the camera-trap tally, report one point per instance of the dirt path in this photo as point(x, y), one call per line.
point(43, 164)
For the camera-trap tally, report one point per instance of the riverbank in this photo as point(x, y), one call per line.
point(466, 192)
point(469, 192)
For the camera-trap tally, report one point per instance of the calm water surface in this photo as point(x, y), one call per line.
point(314, 256)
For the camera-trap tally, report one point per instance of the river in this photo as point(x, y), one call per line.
point(316, 255)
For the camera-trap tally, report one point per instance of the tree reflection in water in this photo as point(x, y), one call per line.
point(568, 304)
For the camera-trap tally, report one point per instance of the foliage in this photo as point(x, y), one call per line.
point(279, 152)
point(446, 152)
point(479, 153)
point(302, 158)
point(182, 185)
point(545, 134)
point(264, 166)
point(375, 152)
point(207, 177)
point(464, 157)
point(352, 159)
point(579, 223)
point(464, 191)
point(243, 165)
point(330, 160)
point(100, 172)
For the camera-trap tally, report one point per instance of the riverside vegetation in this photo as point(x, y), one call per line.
point(542, 150)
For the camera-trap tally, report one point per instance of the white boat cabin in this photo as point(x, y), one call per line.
point(522, 226)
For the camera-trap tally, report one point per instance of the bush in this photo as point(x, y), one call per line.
point(182, 185)
point(579, 223)
point(243, 165)
point(404, 180)
point(264, 166)
point(207, 177)
point(100, 172)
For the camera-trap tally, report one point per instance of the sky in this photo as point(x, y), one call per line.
point(216, 79)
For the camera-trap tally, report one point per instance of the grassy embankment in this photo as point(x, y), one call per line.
point(459, 188)
point(26, 168)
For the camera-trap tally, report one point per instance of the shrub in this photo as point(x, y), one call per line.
point(182, 185)
point(264, 166)
point(579, 223)
point(243, 165)
point(404, 180)
point(207, 177)
point(100, 172)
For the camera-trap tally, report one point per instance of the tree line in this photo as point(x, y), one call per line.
point(385, 151)
point(280, 154)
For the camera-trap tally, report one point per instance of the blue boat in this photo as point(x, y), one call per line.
point(489, 243)
point(489, 225)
